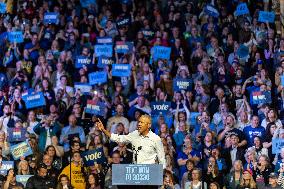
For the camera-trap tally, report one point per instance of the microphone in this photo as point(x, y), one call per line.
point(136, 152)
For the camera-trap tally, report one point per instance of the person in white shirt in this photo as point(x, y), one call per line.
point(8, 119)
point(63, 85)
point(147, 146)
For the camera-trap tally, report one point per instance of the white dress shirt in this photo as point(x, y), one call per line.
point(149, 148)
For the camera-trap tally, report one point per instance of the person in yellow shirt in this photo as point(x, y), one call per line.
point(77, 172)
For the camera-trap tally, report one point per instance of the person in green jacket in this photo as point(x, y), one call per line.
point(46, 129)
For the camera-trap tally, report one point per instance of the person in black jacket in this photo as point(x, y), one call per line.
point(40, 180)
point(234, 152)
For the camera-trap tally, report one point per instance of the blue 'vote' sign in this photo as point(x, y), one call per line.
point(16, 37)
point(103, 50)
point(265, 16)
point(242, 9)
point(97, 78)
point(92, 156)
point(161, 52)
point(160, 107)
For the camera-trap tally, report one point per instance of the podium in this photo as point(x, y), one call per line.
point(137, 174)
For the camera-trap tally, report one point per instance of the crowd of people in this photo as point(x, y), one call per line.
point(219, 132)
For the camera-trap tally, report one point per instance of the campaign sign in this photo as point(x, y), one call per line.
point(16, 134)
point(124, 47)
point(242, 9)
point(97, 108)
point(137, 174)
point(123, 22)
point(92, 156)
point(243, 51)
point(104, 40)
point(3, 8)
point(5, 166)
point(260, 97)
point(211, 11)
point(160, 107)
point(161, 52)
point(97, 78)
point(21, 149)
point(265, 16)
point(34, 100)
point(182, 84)
point(103, 50)
point(83, 87)
point(193, 117)
point(282, 80)
point(23, 179)
point(121, 70)
point(16, 37)
point(82, 60)
point(51, 18)
point(148, 33)
point(87, 3)
point(103, 61)
point(277, 144)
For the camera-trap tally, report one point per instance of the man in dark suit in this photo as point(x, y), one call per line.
point(234, 152)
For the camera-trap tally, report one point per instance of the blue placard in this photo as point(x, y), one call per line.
point(137, 174)
point(34, 100)
point(5, 166)
point(16, 37)
point(97, 78)
point(242, 9)
point(23, 179)
point(92, 156)
point(103, 50)
point(3, 8)
point(83, 87)
point(121, 70)
point(193, 118)
point(277, 144)
point(16, 134)
point(123, 22)
point(243, 51)
point(161, 52)
point(259, 97)
point(124, 47)
point(51, 18)
point(87, 3)
point(182, 84)
point(21, 149)
point(81, 61)
point(97, 108)
point(103, 61)
point(160, 107)
point(211, 11)
point(265, 16)
point(104, 40)
point(282, 80)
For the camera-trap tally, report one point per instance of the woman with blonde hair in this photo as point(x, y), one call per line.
point(4, 145)
point(23, 168)
point(250, 157)
point(247, 181)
